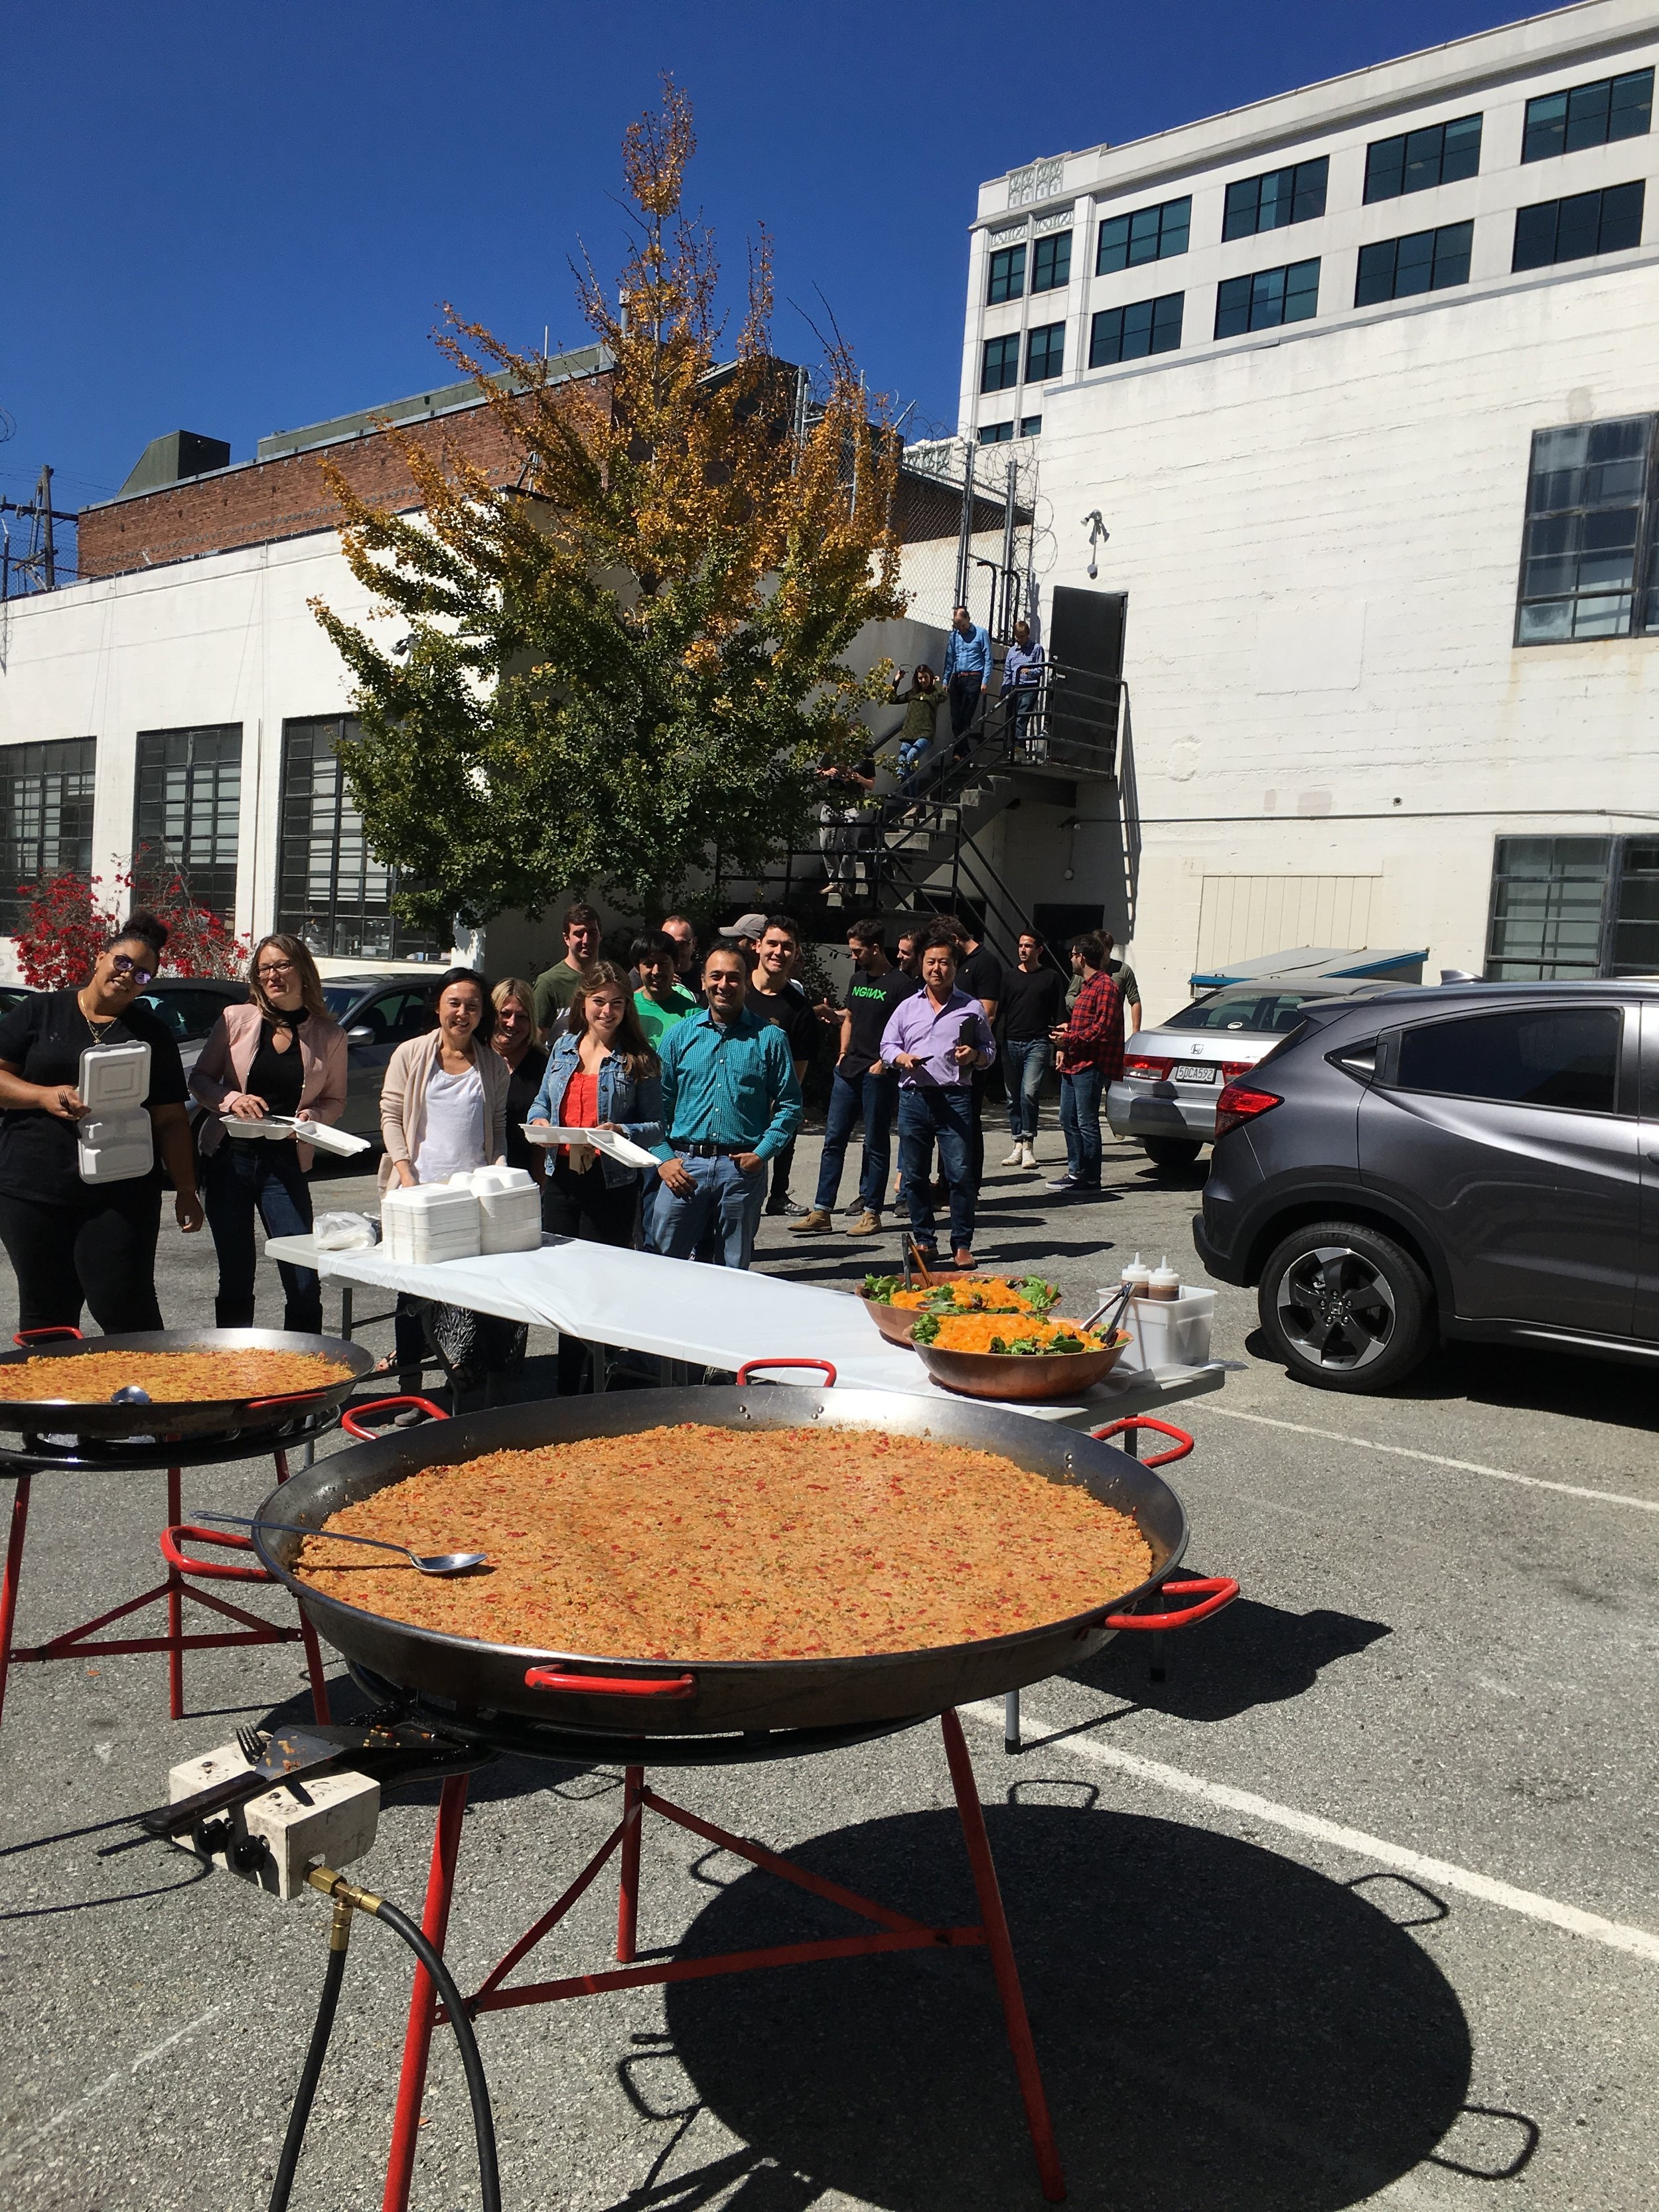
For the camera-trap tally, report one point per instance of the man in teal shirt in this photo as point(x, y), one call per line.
point(730, 1101)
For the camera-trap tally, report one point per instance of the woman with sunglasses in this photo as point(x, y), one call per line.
point(72, 1242)
point(281, 1054)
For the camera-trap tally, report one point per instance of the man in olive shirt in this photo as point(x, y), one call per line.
point(1122, 975)
point(557, 986)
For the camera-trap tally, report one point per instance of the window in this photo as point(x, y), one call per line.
point(1031, 426)
point(1270, 297)
point(1000, 368)
point(1535, 1056)
point(995, 434)
point(186, 821)
point(1150, 233)
point(1128, 333)
point(1051, 262)
point(1589, 115)
point(1573, 228)
point(1590, 564)
point(1439, 155)
point(1424, 262)
point(1045, 353)
point(396, 1016)
point(1269, 201)
point(46, 817)
point(186, 1014)
point(330, 890)
point(1008, 275)
point(1568, 908)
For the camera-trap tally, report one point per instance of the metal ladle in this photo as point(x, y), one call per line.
point(428, 1563)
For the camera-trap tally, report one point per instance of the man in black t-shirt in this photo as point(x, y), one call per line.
point(862, 1086)
point(1033, 1003)
point(775, 996)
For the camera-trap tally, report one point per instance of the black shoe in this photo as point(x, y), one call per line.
point(785, 1206)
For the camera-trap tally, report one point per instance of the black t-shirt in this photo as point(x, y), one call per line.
point(278, 1078)
point(872, 1000)
point(43, 1039)
point(522, 1086)
point(792, 1011)
point(981, 975)
point(1032, 1005)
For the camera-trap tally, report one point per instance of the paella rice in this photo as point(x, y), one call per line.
point(700, 1543)
point(171, 1378)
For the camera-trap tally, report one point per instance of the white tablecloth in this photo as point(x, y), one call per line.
point(706, 1317)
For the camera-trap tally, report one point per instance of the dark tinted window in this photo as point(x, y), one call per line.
point(1008, 275)
point(1051, 262)
point(1269, 201)
point(1150, 234)
point(1000, 368)
point(1045, 353)
point(1588, 516)
point(396, 1015)
point(189, 1014)
point(1272, 296)
point(1268, 1013)
point(1127, 333)
point(1426, 261)
point(995, 434)
point(1536, 1056)
point(1418, 160)
point(1578, 227)
point(1589, 115)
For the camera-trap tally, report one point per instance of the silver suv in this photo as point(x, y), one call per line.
point(1478, 1161)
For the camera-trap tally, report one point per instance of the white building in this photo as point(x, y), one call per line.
point(1362, 381)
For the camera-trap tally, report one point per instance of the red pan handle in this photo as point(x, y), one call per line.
point(349, 1421)
point(1222, 1589)
point(612, 1685)
point(288, 1397)
point(823, 1365)
point(220, 1570)
point(37, 1335)
point(1183, 1442)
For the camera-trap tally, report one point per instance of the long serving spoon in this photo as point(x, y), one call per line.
point(429, 1563)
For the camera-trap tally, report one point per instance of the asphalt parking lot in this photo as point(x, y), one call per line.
point(1358, 1907)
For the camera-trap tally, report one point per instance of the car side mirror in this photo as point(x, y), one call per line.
point(362, 1035)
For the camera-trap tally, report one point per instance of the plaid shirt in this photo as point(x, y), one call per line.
point(1094, 1034)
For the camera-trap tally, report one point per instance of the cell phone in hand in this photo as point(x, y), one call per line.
point(968, 1032)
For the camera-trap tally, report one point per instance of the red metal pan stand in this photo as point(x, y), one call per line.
point(85, 1641)
point(892, 1931)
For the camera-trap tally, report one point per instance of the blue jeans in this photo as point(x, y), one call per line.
point(246, 1175)
point(1024, 1064)
point(725, 1205)
point(871, 1097)
point(910, 753)
point(1079, 1117)
point(943, 1117)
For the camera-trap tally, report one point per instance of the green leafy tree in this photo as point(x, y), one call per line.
point(637, 653)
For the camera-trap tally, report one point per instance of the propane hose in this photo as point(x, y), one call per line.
point(349, 1898)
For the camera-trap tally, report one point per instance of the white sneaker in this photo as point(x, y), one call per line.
point(1028, 1158)
point(1016, 1158)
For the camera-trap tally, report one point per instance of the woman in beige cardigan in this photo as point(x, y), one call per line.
point(443, 1110)
point(282, 1053)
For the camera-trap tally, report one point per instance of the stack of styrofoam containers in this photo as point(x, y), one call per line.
point(431, 1223)
point(115, 1140)
point(1166, 1332)
point(509, 1209)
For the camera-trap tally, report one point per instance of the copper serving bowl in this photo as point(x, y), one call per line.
point(895, 1322)
point(1019, 1376)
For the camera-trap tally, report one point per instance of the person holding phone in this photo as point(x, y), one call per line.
point(937, 1039)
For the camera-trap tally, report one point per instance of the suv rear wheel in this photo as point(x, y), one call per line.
point(1171, 1152)
point(1346, 1308)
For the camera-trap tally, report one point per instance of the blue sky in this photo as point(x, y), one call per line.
point(238, 219)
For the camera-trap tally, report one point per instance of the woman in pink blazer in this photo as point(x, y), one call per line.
point(283, 1054)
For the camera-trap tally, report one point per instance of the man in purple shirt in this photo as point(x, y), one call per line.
point(936, 1040)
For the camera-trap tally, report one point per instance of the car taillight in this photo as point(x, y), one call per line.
point(1148, 1071)
point(1238, 1104)
point(1232, 1069)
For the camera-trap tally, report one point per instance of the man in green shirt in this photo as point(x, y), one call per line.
point(557, 986)
point(660, 1001)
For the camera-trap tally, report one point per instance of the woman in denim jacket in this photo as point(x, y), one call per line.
point(600, 1074)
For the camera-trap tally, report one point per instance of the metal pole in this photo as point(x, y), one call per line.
point(1009, 594)
point(965, 538)
point(43, 501)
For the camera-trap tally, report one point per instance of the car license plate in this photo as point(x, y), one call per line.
point(1196, 1072)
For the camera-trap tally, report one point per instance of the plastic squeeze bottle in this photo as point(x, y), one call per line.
point(1137, 1276)
point(1163, 1282)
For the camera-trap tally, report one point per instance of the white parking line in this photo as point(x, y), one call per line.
point(122, 2074)
point(1434, 1459)
point(1616, 1935)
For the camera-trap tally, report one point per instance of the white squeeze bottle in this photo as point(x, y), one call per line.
point(1137, 1277)
point(1163, 1282)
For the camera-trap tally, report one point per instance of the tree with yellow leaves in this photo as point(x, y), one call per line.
point(635, 652)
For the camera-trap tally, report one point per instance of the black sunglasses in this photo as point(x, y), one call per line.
point(123, 964)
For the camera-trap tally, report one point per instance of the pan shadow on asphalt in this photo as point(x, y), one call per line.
point(1251, 1653)
point(1216, 2025)
point(1524, 1378)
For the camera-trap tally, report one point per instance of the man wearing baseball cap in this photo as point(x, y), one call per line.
point(746, 932)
